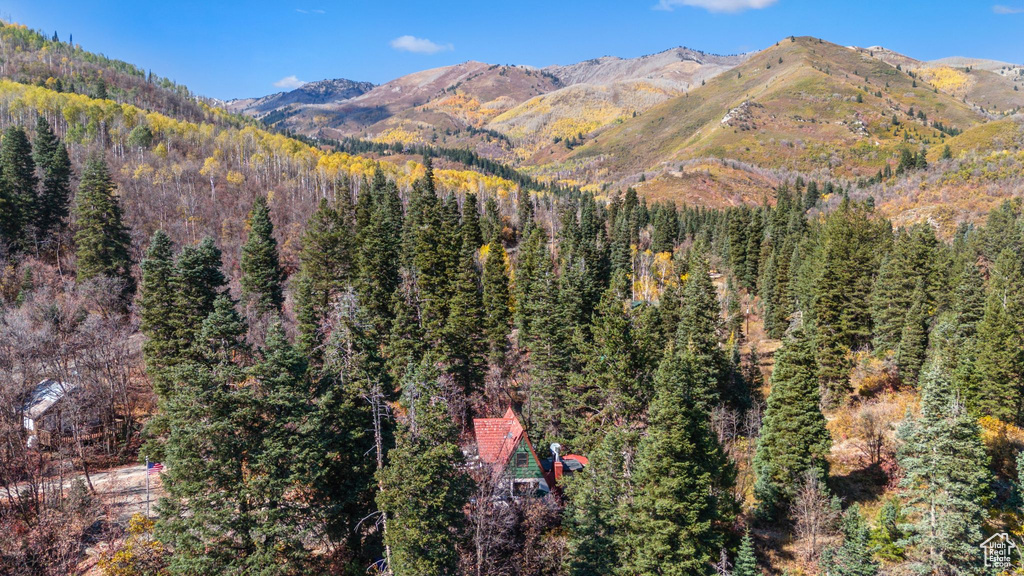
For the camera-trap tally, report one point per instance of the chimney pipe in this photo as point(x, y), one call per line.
point(557, 465)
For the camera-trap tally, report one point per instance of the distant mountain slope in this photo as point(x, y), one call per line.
point(577, 110)
point(481, 106)
point(991, 86)
point(677, 68)
point(321, 92)
point(803, 104)
point(605, 90)
point(688, 125)
point(448, 106)
point(979, 63)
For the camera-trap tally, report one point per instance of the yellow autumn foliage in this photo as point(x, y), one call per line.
point(466, 108)
point(944, 78)
point(234, 149)
point(398, 135)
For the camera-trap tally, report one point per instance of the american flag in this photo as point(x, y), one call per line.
point(154, 468)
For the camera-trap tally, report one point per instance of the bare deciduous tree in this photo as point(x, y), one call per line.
point(814, 514)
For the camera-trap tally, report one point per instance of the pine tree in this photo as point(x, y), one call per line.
point(968, 306)
point(101, 240)
point(886, 313)
point(496, 301)
point(678, 520)
point(325, 268)
point(793, 437)
point(532, 253)
point(738, 244)
point(612, 385)
point(464, 328)
point(842, 293)
point(262, 275)
point(912, 261)
point(993, 385)
point(921, 160)
point(197, 282)
point(51, 206)
point(17, 187)
point(379, 254)
point(914, 340)
point(746, 559)
point(451, 238)
point(406, 346)
point(907, 159)
point(278, 413)
point(946, 482)
point(350, 396)
point(207, 515)
point(524, 213)
point(888, 531)
point(774, 285)
point(423, 489)
point(490, 224)
point(431, 259)
point(471, 221)
point(698, 331)
point(853, 557)
point(666, 227)
point(547, 337)
point(669, 305)
point(594, 513)
point(156, 309)
point(755, 236)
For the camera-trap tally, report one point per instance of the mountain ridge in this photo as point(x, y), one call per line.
point(318, 92)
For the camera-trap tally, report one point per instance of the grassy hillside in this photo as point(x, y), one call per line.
point(990, 87)
point(803, 104)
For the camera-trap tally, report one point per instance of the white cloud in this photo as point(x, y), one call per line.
point(289, 82)
point(316, 11)
point(1000, 9)
point(419, 45)
point(716, 5)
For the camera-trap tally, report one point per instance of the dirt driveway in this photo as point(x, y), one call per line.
point(124, 490)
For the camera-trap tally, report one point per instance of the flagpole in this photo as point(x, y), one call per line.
point(147, 487)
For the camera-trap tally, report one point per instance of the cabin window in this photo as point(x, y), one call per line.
point(521, 459)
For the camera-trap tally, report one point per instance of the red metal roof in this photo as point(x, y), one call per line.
point(497, 438)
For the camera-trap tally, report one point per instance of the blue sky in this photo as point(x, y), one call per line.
point(229, 49)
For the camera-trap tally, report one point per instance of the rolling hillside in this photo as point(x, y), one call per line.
point(991, 87)
point(504, 112)
point(677, 68)
point(803, 104)
point(449, 106)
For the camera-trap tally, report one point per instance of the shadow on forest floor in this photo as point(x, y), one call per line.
point(860, 485)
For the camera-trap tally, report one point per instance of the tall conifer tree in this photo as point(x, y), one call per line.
point(156, 308)
point(262, 276)
point(423, 489)
point(198, 281)
point(793, 434)
point(678, 520)
point(51, 157)
point(497, 301)
point(946, 482)
point(17, 187)
point(101, 238)
point(464, 329)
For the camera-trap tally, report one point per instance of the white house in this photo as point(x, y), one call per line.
point(41, 412)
